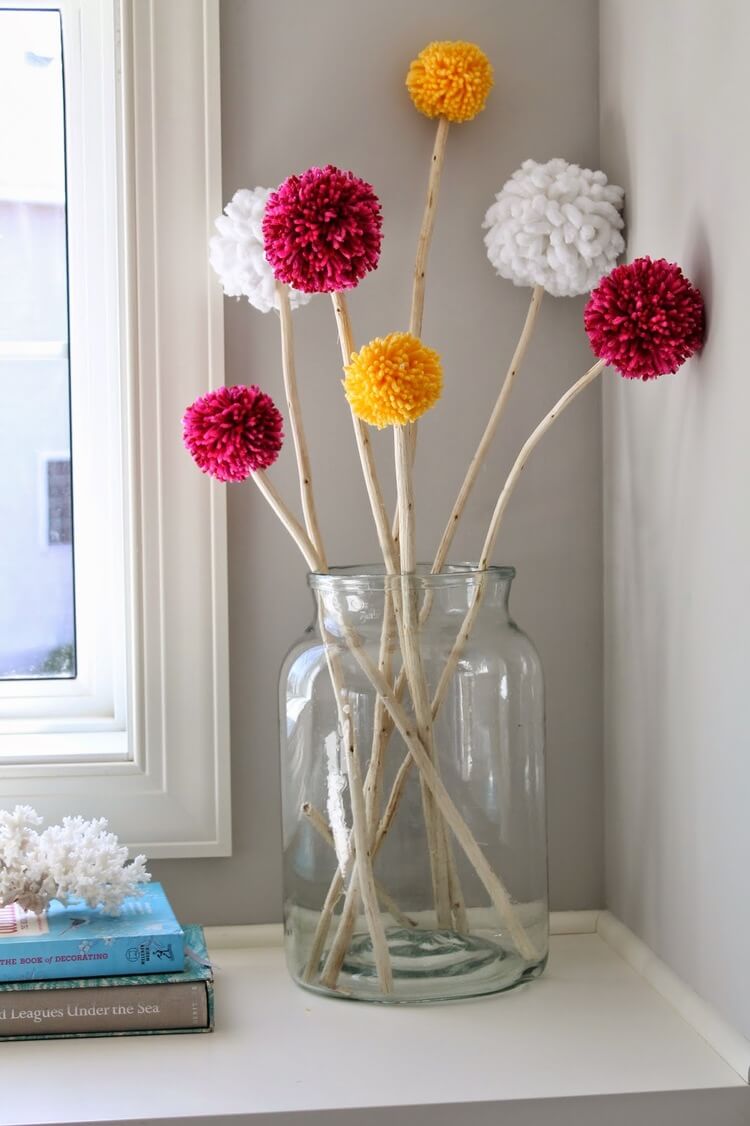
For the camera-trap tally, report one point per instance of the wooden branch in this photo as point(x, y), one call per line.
point(428, 224)
point(319, 823)
point(294, 410)
point(381, 725)
point(351, 757)
point(423, 249)
point(492, 883)
point(494, 526)
point(415, 673)
point(526, 451)
point(490, 430)
point(292, 525)
point(367, 460)
point(333, 895)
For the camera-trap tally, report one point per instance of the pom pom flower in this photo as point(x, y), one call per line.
point(645, 318)
point(322, 230)
point(237, 255)
point(450, 80)
point(556, 225)
point(393, 380)
point(232, 432)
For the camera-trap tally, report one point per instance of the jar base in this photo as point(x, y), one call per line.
point(429, 966)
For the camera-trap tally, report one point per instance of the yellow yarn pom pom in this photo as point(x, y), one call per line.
point(393, 380)
point(450, 80)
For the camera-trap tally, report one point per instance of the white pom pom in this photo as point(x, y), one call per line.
point(237, 254)
point(556, 225)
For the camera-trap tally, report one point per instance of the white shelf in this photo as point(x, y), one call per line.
point(591, 1026)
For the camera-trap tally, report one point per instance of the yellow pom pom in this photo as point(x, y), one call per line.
point(393, 380)
point(450, 80)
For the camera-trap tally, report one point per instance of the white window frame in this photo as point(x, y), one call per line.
point(141, 736)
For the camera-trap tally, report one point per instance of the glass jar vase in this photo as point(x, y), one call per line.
point(412, 748)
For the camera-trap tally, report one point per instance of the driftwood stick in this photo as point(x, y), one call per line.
point(320, 825)
point(324, 925)
point(299, 439)
point(489, 431)
point(367, 460)
point(436, 842)
point(394, 800)
point(494, 526)
point(377, 505)
point(337, 953)
point(464, 493)
point(490, 539)
point(424, 242)
point(381, 724)
point(503, 499)
point(360, 829)
point(363, 862)
point(526, 451)
point(318, 822)
point(428, 225)
point(496, 890)
point(492, 883)
point(292, 525)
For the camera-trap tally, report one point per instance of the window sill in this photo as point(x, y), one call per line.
point(591, 1026)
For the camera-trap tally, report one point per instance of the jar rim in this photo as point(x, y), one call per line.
point(373, 576)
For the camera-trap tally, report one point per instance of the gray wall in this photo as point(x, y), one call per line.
point(307, 83)
point(674, 112)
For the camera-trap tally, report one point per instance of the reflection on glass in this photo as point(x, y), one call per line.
point(37, 612)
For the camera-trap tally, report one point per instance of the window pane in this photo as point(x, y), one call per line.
point(37, 613)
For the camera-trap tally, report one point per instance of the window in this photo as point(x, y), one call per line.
point(37, 607)
point(108, 706)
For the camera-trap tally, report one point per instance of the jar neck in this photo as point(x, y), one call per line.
point(361, 594)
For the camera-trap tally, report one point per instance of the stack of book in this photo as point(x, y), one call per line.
point(77, 972)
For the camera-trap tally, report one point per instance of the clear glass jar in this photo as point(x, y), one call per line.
point(446, 896)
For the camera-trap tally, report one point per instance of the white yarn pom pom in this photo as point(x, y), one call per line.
point(556, 225)
point(237, 254)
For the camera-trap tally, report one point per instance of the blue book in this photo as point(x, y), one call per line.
point(79, 941)
point(136, 1004)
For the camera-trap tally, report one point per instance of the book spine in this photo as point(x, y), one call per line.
point(56, 959)
point(107, 1010)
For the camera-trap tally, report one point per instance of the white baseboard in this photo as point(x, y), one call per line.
point(707, 1021)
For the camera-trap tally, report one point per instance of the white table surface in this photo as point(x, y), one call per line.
point(590, 1026)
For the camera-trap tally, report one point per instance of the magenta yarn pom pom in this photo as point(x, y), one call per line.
point(322, 230)
point(232, 432)
point(645, 318)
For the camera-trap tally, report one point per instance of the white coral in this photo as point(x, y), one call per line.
point(335, 804)
point(556, 225)
point(238, 257)
point(76, 860)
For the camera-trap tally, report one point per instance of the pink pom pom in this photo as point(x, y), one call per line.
point(645, 318)
point(233, 432)
point(322, 230)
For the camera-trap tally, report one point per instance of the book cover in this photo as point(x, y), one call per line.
point(80, 941)
point(138, 1004)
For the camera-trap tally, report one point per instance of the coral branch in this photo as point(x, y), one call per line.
point(75, 860)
